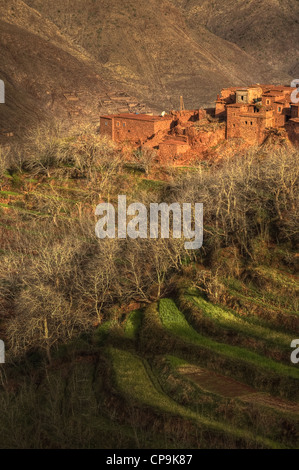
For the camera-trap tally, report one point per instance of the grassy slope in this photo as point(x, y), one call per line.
point(133, 381)
point(174, 321)
point(231, 320)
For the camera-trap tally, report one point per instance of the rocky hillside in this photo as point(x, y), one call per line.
point(152, 50)
point(267, 30)
point(79, 59)
point(45, 73)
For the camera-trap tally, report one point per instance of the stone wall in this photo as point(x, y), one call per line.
point(170, 149)
point(135, 128)
point(106, 126)
point(292, 128)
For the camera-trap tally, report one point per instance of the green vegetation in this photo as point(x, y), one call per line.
point(267, 300)
point(88, 368)
point(133, 324)
point(133, 381)
point(234, 321)
point(192, 386)
point(175, 322)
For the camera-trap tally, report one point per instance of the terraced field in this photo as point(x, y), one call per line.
point(175, 322)
point(136, 383)
point(268, 305)
point(170, 370)
point(182, 372)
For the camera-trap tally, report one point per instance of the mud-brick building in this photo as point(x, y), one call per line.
point(136, 128)
point(228, 96)
point(294, 111)
point(293, 124)
point(245, 122)
point(250, 112)
point(235, 95)
point(172, 146)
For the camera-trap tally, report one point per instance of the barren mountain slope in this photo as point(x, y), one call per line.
point(39, 67)
point(267, 29)
point(150, 48)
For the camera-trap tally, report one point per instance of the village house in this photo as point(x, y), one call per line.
point(292, 125)
point(246, 113)
point(173, 146)
point(136, 128)
point(251, 112)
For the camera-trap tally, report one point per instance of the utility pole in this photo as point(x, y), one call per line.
point(182, 106)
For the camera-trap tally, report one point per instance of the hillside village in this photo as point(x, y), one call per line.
point(149, 227)
point(250, 114)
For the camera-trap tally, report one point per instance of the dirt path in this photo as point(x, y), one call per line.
point(273, 402)
point(216, 383)
point(228, 387)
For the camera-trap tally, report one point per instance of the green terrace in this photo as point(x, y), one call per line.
point(175, 322)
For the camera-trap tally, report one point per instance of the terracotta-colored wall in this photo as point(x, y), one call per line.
point(279, 115)
point(220, 110)
point(137, 130)
point(243, 122)
point(267, 100)
point(106, 129)
point(169, 150)
point(133, 130)
point(249, 129)
point(163, 125)
point(293, 131)
point(294, 110)
point(229, 94)
point(270, 100)
point(248, 94)
point(233, 128)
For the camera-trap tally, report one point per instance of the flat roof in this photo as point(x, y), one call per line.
point(237, 105)
point(277, 87)
point(273, 93)
point(137, 117)
point(174, 142)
